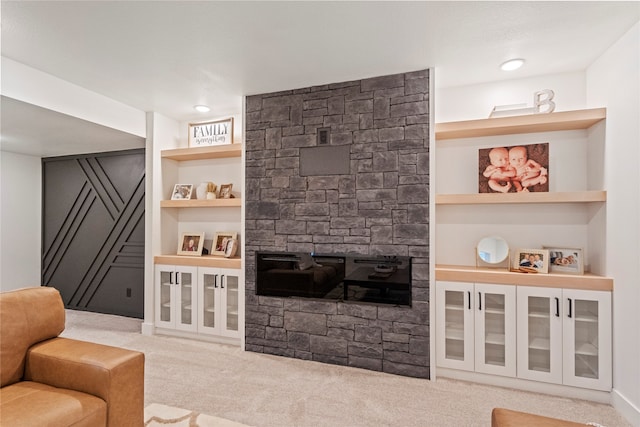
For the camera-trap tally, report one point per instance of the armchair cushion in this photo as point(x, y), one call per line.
point(32, 404)
point(113, 374)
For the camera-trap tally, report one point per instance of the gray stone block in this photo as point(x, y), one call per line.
point(345, 322)
point(365, 363)
point(368, 334)
point(278, 351)
point(385, 161)
point(395, 346)
point(413, 194)
point(345, 334)
point(275, 334)
point(334, 360)
point(409, 109)
point(298, 340)
point(328, 346)
point(363, 349)
point(324, 307)
point(419, 346)
point(312, 323)
point(383, 82)
point(405, 369)
point(290, 227)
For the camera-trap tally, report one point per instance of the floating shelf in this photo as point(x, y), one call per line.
point(199, 261)
point(459, 273)
point(544, 122)
point(216, 203)
point(200, 153)
point(495, 198)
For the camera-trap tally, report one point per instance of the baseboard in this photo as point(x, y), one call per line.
point(147, 329)
point(528, 385)
point(627, 409)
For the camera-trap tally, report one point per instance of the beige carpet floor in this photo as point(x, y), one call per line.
point(263, 390)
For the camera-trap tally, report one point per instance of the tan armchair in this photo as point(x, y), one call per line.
point(47, 380)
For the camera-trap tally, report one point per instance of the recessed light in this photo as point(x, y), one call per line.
point(202, 108)
point(512, 64)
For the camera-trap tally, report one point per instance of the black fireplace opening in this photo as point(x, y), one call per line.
point(338, 277)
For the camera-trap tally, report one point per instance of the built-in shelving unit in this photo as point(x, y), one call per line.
point(568, 120)
point(202, 261)
point(457, 273)
point(216, 203)
point(514, 198)
point(571, 213)
point(200, 153)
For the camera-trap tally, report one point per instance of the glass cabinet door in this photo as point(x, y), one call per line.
point(495, 329)
point(587, 330)
point(165, 279)
point(187, 298)
point(454, 320)
point(230, 286)
point(209, 298)
point(539, 326)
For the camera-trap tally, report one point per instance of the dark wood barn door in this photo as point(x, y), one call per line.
point(93, 231)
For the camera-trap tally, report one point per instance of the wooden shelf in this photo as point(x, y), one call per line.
point(459, 273)
point(512, 198)
point(199, 261)
point(544, 122)
point(200, 153)
point(216, 203)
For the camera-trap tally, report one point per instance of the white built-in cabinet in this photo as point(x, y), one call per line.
point(476, 327)
point(542, 328)
point(199, 296)
point(175, 297)
point(560, 336)
point(218, 301)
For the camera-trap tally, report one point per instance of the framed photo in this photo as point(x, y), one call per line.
point(191, 244)
point(221, 241)
point(225, 191)
point(565, 260)
point(204, 134)
point(514, 169)
point(532, 259)
point(182, 192)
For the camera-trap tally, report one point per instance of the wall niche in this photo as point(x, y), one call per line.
point(378, 205)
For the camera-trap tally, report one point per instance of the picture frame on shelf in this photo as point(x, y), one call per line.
point(225, 191)
point(531, 260)
point(182, 192)
point(565, 260)
point(231, 248)
point(220, 242)
point(514, 169)
point(205, 134)
point(191, 244)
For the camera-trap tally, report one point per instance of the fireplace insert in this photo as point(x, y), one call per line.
point(339, 277)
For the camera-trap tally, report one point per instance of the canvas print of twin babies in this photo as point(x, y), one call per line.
point(521, 168)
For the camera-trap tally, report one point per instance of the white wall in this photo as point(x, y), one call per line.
point(32, 86)
point(477, 101)
point(613, 81)
point(20, 225)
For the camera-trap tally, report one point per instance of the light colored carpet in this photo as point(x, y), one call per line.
point(263, 390)
point(156, 415)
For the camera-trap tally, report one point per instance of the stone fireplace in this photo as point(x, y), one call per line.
point(366, 194)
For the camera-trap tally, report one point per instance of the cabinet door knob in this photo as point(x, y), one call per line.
point(222, 281)
point(557, 307)
point(171, 277)
point(215, 280)
point(177, 276)
point(469, 300)
point(479, 300)
point(570, 307)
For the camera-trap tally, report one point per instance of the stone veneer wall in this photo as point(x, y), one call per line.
point(380, 208)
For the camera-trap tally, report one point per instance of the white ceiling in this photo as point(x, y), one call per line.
point(167, 56)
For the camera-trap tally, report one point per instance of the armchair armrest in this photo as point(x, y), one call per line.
point(113, 374)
